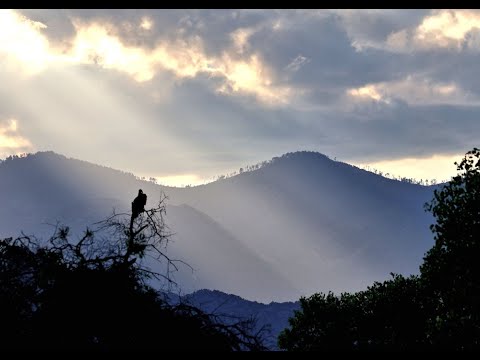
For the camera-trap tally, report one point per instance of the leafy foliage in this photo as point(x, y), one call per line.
point(451, 270)
point(386, 316)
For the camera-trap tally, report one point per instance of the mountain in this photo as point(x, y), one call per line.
point(301, 223)
point(274, 316)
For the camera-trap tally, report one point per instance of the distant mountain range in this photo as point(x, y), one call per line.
point(230, 308)
point(300, 224)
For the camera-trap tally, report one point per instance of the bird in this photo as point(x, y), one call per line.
point(138, 204)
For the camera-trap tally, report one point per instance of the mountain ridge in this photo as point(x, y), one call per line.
point(248, 169)
point(310, 223)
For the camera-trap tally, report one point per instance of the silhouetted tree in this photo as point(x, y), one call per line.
point(386, 316)
point(451, 269)
point(93, 294)
point(440, 309)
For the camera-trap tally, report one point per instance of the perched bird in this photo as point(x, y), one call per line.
point(138, 204)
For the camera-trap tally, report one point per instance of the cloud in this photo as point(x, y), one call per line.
point(240, 39)
point(369, 28)
point(99, 44)
point(366, 92)
point(146, 23)
point(416, 90)
point(454, 30)
point(204, 92)
point(21, 41)
point(185, 58)
point(10, 140)
point(94, 45)
point(412, 30)
point(399, 130)
point(447, 28)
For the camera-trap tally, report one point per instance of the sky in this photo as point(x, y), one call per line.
point(187, 95)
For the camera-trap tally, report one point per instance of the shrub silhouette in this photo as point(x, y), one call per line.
point(93, 294)
point(386, 316)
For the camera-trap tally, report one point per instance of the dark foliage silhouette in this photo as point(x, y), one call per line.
point(93, 294)
point(386, 316)
point(451, 270)
point(440, 309)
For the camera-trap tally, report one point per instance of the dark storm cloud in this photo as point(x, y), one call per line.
point(397, 131)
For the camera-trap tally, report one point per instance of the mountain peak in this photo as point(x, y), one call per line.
point(243, 234)
point(304, 154)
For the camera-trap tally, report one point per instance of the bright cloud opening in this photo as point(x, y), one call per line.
point(438, 167)
point(146, 24)
point(240, 39)
point(415, 90)
point(442, 29)
point(251, 77)
point(10, 141)
point(367, 92)
point(98, 44)
point(186, 59)
point(94, 44)
point(182, 180)
point(21, 40)
point(448, 24)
